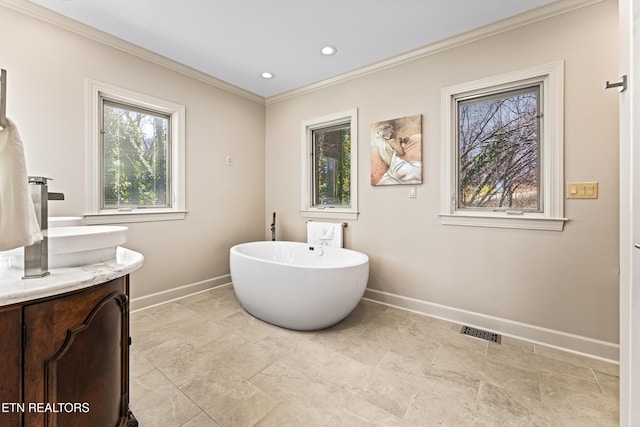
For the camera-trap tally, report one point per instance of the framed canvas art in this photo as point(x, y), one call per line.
point(396, 151)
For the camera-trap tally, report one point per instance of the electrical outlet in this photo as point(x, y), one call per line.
point(582, 190)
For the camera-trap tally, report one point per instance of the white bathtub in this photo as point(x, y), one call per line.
point(297, 285)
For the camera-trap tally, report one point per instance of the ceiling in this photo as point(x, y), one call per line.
point(236, 40)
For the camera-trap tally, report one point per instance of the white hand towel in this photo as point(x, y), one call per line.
point(324, 233)
point(18, 222)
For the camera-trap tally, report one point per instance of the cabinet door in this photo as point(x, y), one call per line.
point(76, 358)
point(11, 365)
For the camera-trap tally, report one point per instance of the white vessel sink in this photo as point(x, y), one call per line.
point(74, 246)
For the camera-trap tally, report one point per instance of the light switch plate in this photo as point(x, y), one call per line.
point(582, 190)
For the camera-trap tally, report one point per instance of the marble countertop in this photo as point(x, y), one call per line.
point(14, 289)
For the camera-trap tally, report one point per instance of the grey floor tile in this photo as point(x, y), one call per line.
point(509, 408)
point(523, 359)
point(155, 401)
point(227, 398)
point(205, 304)
point(609, 384)
point(180, 362)
point(201, 420)
point(294, 392)
point(138, 364)
point(576, 359)
point(360, 413)
point(248, 327)
point(511, 342)
point(193, 329)
point(204, 361)
point(576, 399)
point(444, 400)
point(249, 358)
point(393, 392)
point(169, 312)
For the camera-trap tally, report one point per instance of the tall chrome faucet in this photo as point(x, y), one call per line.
point(273, 228)
point(36, 256)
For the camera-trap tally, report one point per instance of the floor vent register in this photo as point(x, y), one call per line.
point(483, 335)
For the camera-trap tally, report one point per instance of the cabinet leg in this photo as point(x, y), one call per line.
point(131, 420)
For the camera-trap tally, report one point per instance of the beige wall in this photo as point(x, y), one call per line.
point(565, 281)
point(47, 67)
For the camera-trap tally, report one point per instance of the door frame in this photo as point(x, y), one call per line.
point(629, 213)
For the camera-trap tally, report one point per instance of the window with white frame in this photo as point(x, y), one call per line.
point(136, 157)
point(503, 151)
point(329, 166)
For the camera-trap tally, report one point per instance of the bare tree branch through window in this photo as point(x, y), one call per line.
point(498, 151)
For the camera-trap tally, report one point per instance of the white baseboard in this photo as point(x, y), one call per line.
point(177, 293)
point(598, 349)
point(602, 350)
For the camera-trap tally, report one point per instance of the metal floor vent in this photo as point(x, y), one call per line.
point(483, 335)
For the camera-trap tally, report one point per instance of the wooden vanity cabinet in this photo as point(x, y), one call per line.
point(10, 364)
point(74, 358)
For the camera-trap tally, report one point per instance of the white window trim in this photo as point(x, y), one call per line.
point(552, 153)
point(94, 214)
point(307, 210)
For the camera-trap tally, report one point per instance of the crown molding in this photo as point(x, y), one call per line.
point(539, 14)
point(33, 10)
point(544, 12)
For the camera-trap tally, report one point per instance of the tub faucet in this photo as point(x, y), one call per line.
point(273, 228)
point(36, 256)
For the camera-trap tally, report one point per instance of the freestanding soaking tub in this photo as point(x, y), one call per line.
point(298, 285)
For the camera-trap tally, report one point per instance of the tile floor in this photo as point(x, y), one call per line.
point(203, 361)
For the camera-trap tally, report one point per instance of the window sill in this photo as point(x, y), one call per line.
point(329, 213)
point(504, 221)
point(127, 217)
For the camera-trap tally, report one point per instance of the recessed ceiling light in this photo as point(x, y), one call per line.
point(267, 75)
point(329, 50)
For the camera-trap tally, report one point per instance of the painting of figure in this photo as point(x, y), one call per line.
point(396, 151)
